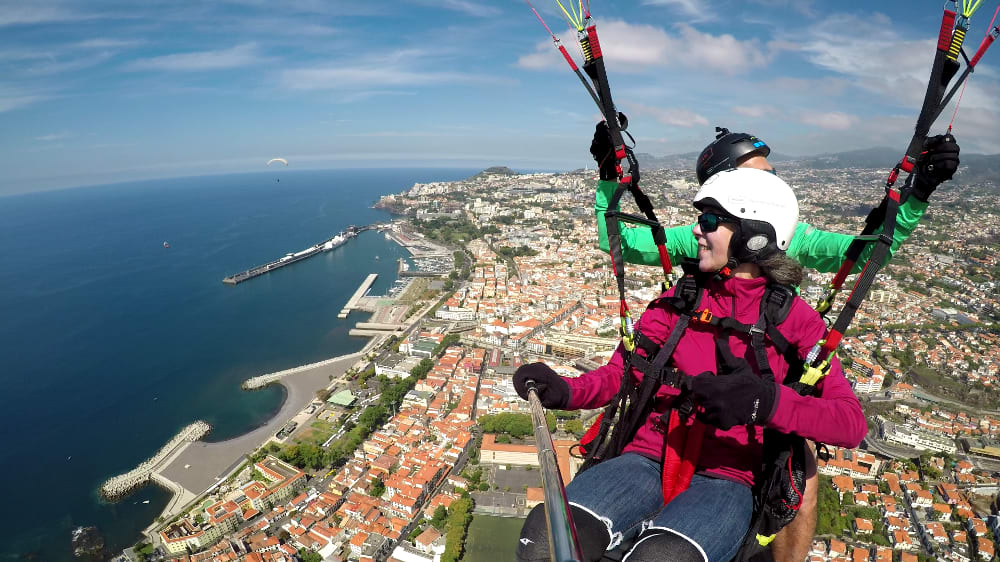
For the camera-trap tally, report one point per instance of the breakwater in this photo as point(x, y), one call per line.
point(118, 486)
point(264, 380)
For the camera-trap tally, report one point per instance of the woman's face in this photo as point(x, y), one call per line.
point(713, 247)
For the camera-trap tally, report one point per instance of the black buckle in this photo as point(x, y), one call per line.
point(661, 425)
point(685, 408)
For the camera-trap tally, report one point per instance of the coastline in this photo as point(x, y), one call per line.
point(196, 467)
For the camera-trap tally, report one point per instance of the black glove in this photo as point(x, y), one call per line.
point(553, 391)
point(602, 148)
point(936, 164)
point(739, 398)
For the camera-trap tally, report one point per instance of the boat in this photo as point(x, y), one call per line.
point(376, 257)
point(166, 244)
point(145, 501)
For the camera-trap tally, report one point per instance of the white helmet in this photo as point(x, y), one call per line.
point(764, 203)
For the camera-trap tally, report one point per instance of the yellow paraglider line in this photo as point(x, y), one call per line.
point(574, 19)
point(968, 10)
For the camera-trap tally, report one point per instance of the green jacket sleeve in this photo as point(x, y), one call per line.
point(637, 243)
point(815, 249)
point(824, 251)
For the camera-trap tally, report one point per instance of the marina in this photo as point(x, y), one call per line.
point(337, 241)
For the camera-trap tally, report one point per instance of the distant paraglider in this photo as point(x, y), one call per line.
point(273, 160)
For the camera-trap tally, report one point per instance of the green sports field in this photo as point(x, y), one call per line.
point(492, 538)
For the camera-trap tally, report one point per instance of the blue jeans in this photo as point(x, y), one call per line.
point(626, 494)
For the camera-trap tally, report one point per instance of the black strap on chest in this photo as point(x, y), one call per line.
point(633, 403)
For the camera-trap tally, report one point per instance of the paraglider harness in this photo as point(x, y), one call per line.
point(780, 479)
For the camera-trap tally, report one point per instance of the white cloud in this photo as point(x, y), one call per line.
point(804, 7)
point(13, 98)
point(642, 47)
point(872, 55)
point(470, 8)
point(246, 54)
point(49, 66)
point(383, 70)
point(754, 110)
point(108, 43)
point(692, 9)
point(31, 13)
point(827, 86)
point(833, 120)
point(675, 117)
point(61, 135)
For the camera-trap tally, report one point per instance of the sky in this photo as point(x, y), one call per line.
point(102, 91)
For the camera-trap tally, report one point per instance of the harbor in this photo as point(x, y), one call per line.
point(292, 257)
point(194, 468)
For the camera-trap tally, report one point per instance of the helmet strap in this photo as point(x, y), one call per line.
point(727, 270)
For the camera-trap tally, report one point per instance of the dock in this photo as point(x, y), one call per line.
point(326, 245)
point(353, 302)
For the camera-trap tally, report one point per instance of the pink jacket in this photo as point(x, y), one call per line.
point(834, 417)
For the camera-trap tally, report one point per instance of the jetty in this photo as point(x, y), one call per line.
point(118, 486)
point(352, 303)
point(261, 381)
point(292, 257)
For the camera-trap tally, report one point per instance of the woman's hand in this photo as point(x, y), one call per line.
point(553, 391)
point(739, 398)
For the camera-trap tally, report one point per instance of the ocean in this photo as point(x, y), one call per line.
point(111, 343)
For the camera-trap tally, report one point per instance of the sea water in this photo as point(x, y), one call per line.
point(111, 342)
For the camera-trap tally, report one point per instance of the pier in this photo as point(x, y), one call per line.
point(261, 381)
point(353, 302)
point(337, 241)
point(118, 486)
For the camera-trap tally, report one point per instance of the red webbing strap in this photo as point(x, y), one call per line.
point(569, 59)
point(987, 41)
point(681, 455)
point(675, 435)
point(595, 45)
point(944, 36)
point(592, 432)
point(664, 260)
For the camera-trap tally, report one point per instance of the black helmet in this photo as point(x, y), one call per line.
point(726, 151)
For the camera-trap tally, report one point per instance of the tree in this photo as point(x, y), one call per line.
point(440, 518)
point(459, 517)
point(575, 427)
point(323, 394)
point(306, 555)
point(377, 489)
point(422, 368)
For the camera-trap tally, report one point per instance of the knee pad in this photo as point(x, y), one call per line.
point(656, 544)
point(592, 534)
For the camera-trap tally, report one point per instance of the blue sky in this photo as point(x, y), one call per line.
point(99, 91)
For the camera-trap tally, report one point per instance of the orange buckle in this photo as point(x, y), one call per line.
point(704, 315)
